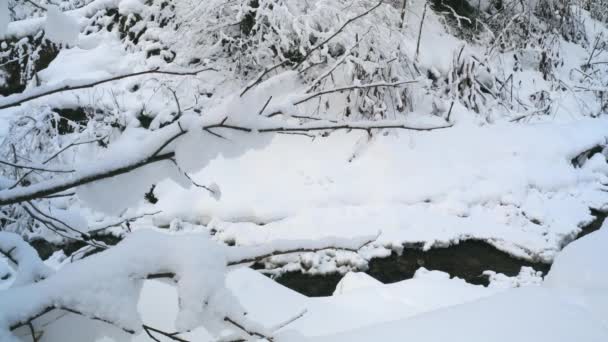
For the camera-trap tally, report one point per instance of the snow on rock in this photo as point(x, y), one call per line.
point(107, 285)
point(353, 281)
point(526, 277)
point(61, 28)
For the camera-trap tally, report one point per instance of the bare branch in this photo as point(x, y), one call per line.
point(7, 254)
point(119, 223)
point(259, 79)
point(173, 336)
point(289, 321)
point(34, 167)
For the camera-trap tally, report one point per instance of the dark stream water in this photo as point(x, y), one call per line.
point(467, 260)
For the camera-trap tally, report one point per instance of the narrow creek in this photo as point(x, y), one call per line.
point(466, 260)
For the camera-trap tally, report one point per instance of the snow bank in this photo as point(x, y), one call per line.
point(570, 306)
point(529, 314)
point(582, 264)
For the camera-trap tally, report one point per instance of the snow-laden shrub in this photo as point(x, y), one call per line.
point(562, 16)
point(597, 8)
point(468, 81)
point(246, 37)
point(22, 58)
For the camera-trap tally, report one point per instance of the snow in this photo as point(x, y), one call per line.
point(353, 281)
point(534, 313)
point(29, 267)
point(91, 60)
point(526, 277)
point(30, 26)
point(581, 264)
point(430, 307)
point(107, 285)
point(529, 314)
point(61, 28)
point(4, 17)
point(399, 184)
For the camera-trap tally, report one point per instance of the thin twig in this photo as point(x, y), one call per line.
point(245, 330)
point(259, 79)
point(265, 106)
point(116, 224)
point(352, 87)
point(420, 30)
point(173, 336)
point(8, 255)
point(55, 155)
point(34, 167)
point(348, 22)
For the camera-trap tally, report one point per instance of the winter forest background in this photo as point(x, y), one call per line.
point(303, 170)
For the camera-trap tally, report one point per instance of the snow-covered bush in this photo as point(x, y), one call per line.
point(247, 37)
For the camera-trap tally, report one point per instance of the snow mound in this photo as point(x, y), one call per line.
point(355, 280)
point(582, 264)
point(525, 315)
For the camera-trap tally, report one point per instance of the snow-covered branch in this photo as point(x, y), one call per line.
point(24, 258)
point(36, 93)
point(127, 164)
point(105, 286)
